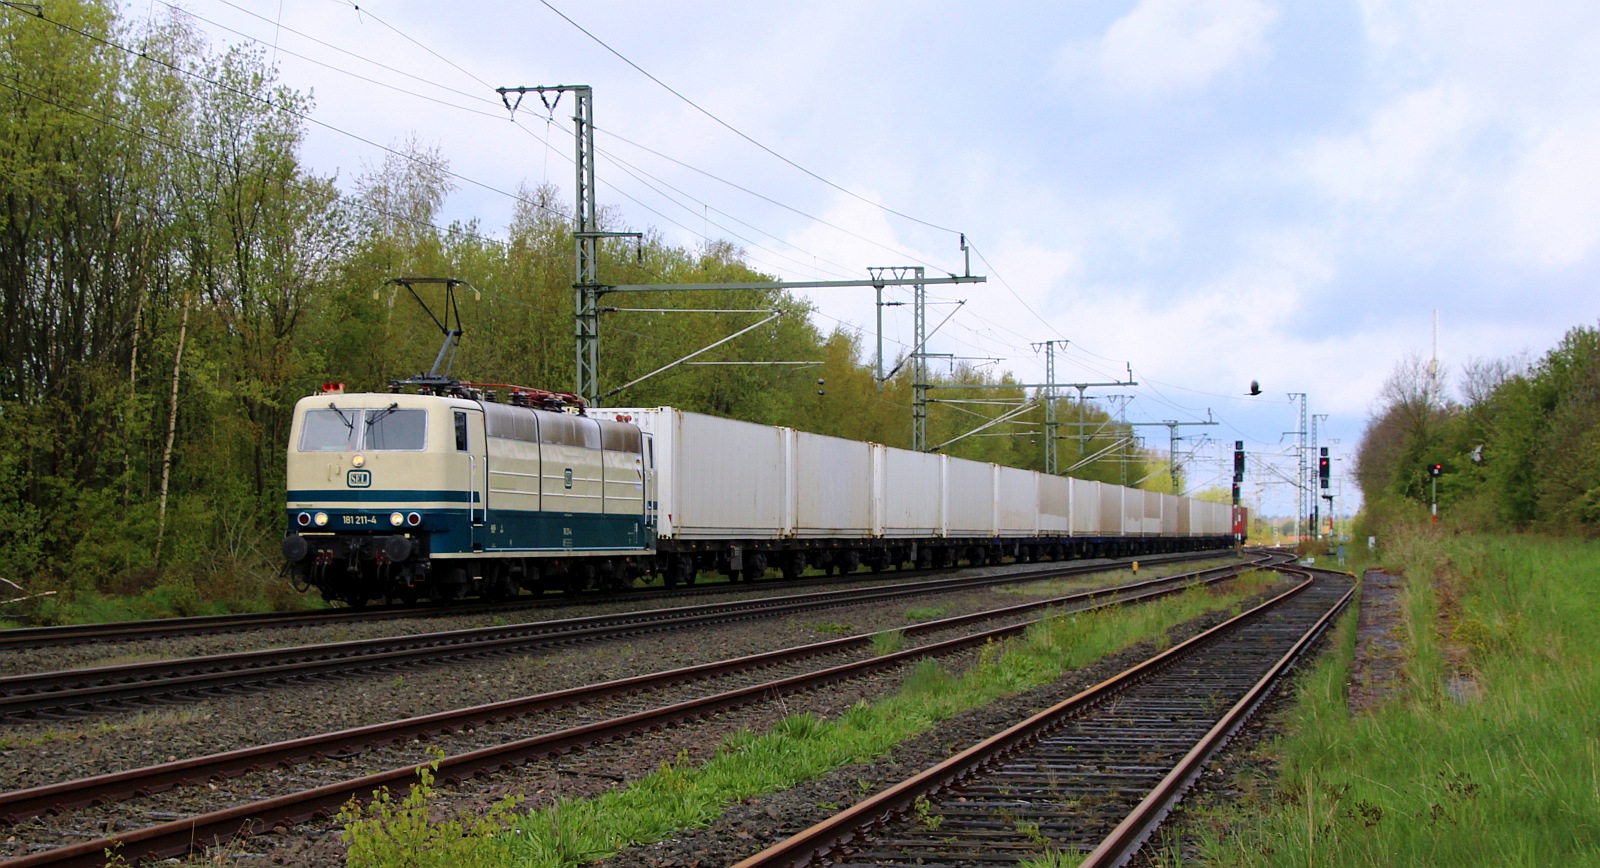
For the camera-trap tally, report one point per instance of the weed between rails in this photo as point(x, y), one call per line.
point(390, 832)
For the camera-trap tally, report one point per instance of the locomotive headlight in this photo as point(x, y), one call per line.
point(304, 519)
point(413, 519)
point(396, 518)
point(321, 519)
point(358, 460)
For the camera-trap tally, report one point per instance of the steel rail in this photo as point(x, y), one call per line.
point(1129, 835)
point(79, 690)
point(179, 836)
point(815, 844)
point(19, 805)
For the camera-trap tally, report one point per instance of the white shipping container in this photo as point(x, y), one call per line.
point(968, 498)
point(1171, 504)
point(1132, 512)
point(832, 485)
point(1150, 523)
point(911, 495)
point(716, 478)
point(1221, 520)
point(1111, 509)
point(1055, 505)
point(1086, 507)
point(1016, 502)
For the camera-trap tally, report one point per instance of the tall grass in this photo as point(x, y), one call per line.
point(1504, 773)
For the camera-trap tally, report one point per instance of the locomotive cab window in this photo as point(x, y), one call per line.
point(339, 430)
point(330, 430)
point(390, 429)
point(461, 431)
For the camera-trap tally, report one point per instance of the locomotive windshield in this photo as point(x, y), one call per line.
point(396, 429)
point(330, 430)
point(340, 430)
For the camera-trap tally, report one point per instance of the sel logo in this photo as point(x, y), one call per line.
point(358, 479)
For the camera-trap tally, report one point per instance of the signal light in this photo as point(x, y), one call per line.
point(1238, 463)
point(1322, 467)
point(1435, 470)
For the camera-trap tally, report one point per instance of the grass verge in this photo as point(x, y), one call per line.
point(1490, 756)
point(802, 747)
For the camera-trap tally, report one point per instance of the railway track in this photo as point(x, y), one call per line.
point(484, 738)
point(78, 691)
point(1095, 773)
point(126, 631)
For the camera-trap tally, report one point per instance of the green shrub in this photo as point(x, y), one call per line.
point(386, 833)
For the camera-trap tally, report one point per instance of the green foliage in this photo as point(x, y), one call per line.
point(1502, 773)
point(390, 833)
point(1535, 429)
point(888, 642)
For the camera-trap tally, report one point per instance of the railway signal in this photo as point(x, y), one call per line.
point(1322, 467)
point(1435, 471)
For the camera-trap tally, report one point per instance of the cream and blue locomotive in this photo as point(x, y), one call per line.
point(453, 489)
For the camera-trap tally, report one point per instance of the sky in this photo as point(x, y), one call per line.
point(1206, 192)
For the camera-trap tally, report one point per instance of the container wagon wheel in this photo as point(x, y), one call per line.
point(755, 566)
point(850, 561)
point(794, 565)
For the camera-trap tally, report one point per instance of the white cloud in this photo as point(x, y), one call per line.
point(1408, 143)
point(1553, 197)
point(1170, 46)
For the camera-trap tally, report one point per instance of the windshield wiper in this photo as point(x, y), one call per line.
point(373, 419)
point(348, 422)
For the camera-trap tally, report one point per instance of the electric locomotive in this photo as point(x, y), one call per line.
point(441, 489)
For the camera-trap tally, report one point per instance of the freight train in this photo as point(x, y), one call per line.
point(449, 489)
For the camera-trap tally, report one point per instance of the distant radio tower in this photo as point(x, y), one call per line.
point(1434, 398)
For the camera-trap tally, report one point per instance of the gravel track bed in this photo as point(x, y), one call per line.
point(40, 752)
point(43, 752)
point(584, 774)
point(91, 823)
point(90, 654)
point(746, 827)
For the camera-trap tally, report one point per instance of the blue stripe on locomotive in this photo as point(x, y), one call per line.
point(503, 531)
